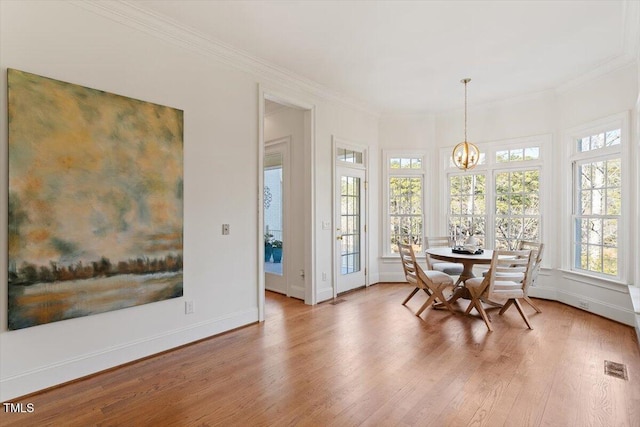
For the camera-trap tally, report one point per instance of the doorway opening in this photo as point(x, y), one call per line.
point(286, 200)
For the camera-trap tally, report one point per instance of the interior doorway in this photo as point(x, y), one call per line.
point(286, 200)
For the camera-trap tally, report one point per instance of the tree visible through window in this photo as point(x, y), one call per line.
point(597, 205)
point(405, 178)
point(405, 212)
point(467, 206)
point(517, 207)
point(499, 202)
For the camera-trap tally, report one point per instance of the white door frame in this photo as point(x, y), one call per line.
point(264, 94)
point(336, 143)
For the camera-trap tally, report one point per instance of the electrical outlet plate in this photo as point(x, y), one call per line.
point(188, 307)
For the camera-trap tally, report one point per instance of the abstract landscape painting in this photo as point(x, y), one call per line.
point(95, 201)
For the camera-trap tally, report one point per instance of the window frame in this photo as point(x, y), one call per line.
point(517, 167)
point(572, 158)
point(490, 168)
point(387, 174)
point(449, 216)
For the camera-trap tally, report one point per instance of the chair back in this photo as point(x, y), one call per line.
point(509, 264)
point(437, 242)
point(409, 264)
point(537, 249)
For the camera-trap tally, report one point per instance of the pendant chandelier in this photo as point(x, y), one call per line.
point(466, 154)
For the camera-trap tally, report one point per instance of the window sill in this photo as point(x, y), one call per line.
point(612, 284)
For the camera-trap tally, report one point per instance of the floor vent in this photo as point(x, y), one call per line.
point(614, 369)
point(337, 301)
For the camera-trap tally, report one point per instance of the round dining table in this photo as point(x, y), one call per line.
point(467, 260)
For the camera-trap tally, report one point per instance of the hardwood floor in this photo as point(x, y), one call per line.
point(369, 361)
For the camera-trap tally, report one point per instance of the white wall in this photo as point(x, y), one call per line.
point(84, 43)
point(545, 113)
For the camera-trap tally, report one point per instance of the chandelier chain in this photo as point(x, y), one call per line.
point(466, 155)
point(465, 111)
point(465, 81)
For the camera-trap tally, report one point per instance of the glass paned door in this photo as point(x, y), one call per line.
point(350, 224)
point(350, 236)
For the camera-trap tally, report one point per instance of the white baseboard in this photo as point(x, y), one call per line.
point(637, 325)
point(391, 277)
point(634, 293)
point(543, 292)
point(297, 292)
point(87, 364)
point(613, 312)
point(373, 279)
point(324, 294)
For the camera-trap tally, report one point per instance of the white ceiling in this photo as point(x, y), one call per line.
point(410, 56)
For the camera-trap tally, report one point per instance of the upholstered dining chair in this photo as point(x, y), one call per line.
point(536, 249)
point(450, 268)
point(502, 282)
point(432, 282)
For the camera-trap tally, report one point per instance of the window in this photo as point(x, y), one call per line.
point(349, 156)
point(517, 199)
point(518, 154)
point(597, 202)
point(404, 177)
point(467, 206)
point(499, 201)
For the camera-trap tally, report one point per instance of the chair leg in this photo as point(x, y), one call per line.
point(483, 313)
point(505, 306)
point(535, 307)
point(444, 301)
point(522, 313)
point(426, 304)
point(410, 296)
point(472, 304)
point(457, 293)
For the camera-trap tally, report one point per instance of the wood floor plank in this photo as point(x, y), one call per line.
point(368, 361)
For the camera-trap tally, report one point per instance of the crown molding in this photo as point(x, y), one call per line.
point(631, 42)
point(606, 67)
point(499, 103)
point(137, 17)
point(134, 16)
point(630, 49)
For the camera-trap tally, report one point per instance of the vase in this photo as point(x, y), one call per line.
point(277, 255)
